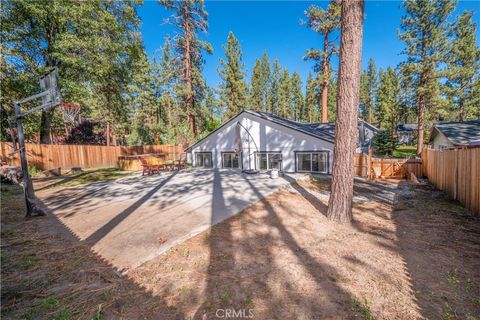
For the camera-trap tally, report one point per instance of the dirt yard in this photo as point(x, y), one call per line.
point(409, 254)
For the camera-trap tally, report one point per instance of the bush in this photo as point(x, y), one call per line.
point(383, 143)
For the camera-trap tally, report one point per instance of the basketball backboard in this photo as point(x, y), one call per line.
point(49, 81)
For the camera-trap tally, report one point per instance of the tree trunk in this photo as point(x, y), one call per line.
point(108, 134)
point(46, 127)
point(420, 131)
point(326, 79)
point(325, 102)
point(188, 72)
point(340, 203)
point(461, 110)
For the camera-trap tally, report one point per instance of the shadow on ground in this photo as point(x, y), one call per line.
point(409, 254)
point(48, 273)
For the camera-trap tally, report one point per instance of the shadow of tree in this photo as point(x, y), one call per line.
point(250, 284)
point(63, 276)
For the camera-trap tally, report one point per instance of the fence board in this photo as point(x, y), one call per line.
point(50, 156)
point(457, 172)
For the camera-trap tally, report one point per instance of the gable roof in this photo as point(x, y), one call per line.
point(323, 131)
point(410, 127)
point(458, 132)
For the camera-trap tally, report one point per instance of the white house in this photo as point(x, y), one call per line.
point(263, 141)
point(446, 135)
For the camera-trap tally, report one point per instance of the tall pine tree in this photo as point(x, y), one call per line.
point(285, 96)
point(311, 102)
point(325, 22)
point(297, 104)
point(368, 87)
point(464, 68)
point(389, 101)
point(275, 86)
point(265, 82)
point(189, 19)
point(256, 87)
point(233, 89)
point(424, 30)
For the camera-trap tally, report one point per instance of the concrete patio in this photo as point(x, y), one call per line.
point(134, 219)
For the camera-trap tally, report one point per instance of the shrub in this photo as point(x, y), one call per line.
point(383, 142)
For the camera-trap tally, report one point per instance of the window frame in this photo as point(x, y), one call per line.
point(234, 153)
point(203, 153)
point(268, 162)
point(327, 161)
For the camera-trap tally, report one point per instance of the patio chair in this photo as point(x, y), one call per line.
point(149, 168)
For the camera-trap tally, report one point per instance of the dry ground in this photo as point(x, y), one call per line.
point(281, 258)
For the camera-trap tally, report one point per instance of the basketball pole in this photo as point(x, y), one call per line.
point(50, 98)
point(27, 182)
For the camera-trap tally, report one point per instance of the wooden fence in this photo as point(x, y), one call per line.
point(50, 156)
point(456, 172)
point(386, 167)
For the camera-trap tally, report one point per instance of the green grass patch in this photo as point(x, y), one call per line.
point(362, 308)
point(405, 152)
point(28, 261)
point(34, 171)
point(45, 305)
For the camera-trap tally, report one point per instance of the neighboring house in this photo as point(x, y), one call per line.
point(445, 135)
point(406, 133)
point(263, 141)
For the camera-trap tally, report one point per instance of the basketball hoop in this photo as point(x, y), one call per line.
point(70, 112)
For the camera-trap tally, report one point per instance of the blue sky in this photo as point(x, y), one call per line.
point(274, 27)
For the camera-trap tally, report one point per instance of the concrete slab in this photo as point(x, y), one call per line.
point(134, 219)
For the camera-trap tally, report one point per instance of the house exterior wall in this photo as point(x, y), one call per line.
point(259, 135)
point(441, 141)
point(364, 139)
point(405, 137)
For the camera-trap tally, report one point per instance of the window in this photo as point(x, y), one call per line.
point(230, 160)
point(268, 160)
point(312, 161)
point(203, 159)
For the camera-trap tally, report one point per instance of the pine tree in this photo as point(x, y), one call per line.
point(256, 93)
point(190, 19)
point(340, 202)
point(164, 81)
point(297, 112)
point(332, 99)
point(464, 67)
point(326, 22)
point(211, 115)
point(275, 86)
point(284, 104)
point(368, 87)
point(265, 82)
point(233, 89)
point(389, 101)
point(311, 102)
point(424, 30)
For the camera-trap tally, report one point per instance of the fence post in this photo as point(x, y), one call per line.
point(370, 164)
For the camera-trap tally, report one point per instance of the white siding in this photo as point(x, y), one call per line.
point(441, 142)
point(262, 135)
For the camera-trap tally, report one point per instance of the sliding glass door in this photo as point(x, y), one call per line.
point(230, 160)
point(265, 161)
point(203, 159)
point(316, 162)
